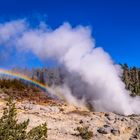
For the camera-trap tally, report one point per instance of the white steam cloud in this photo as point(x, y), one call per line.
point(92, 75)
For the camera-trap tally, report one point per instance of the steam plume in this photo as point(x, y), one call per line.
point(91, 74)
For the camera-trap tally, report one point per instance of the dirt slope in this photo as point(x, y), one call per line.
point(63, 120)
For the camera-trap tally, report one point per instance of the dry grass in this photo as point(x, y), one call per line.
point(79, 112)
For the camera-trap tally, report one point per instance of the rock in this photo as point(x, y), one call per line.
point(104, 130)
point(115, 132)
point(106, 114)
point(37, 108)
point(106, 126)
point(136, 133)
point(81, 121)
point(25, 106)
point(3, 96)
point(110, 117)
point(124, 119)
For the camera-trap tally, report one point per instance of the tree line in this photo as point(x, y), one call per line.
point(54, 76)
point(131, 78)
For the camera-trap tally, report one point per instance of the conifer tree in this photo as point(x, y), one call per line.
point(10, 129)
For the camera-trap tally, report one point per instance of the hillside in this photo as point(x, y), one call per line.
point(67, 122)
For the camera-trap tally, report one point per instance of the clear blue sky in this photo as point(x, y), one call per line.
point(115, 23)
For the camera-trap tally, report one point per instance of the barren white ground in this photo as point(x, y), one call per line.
point(63, 120)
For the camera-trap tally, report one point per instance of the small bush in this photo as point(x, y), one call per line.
point(11, 130)
point(85, 133)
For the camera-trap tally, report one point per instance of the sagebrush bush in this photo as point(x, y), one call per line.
point(10, 129)
point(85, 133)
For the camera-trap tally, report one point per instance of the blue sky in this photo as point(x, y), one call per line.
point(115, 23)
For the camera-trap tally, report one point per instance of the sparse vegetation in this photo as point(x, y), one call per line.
point(84, 133)
point(22, 90)
point(16, 84)
point(11, 130)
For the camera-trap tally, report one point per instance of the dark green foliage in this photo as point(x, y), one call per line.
point(85, 133)
point(131, 78)
point(11, 130)
point(12, 83)
point(16, 84)
point(38, 133)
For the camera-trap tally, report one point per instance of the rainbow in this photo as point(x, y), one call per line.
point(23, 77)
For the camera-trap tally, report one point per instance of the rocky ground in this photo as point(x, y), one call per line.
point(63, 121)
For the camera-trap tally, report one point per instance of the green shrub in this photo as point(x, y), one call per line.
point(85, 133)
point(11, 130)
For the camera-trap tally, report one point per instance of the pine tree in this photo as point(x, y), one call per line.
point(11, 130)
